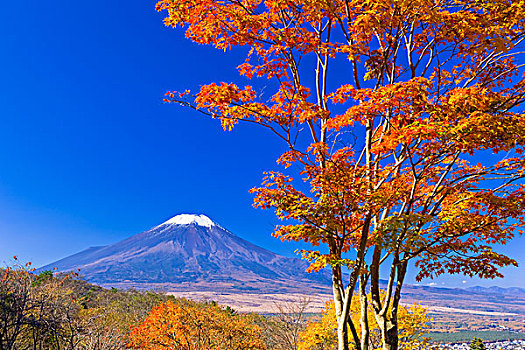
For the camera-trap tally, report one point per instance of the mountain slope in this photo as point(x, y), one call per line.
point(186, 251)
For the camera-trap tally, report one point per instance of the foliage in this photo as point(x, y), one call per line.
point(36, 312)
point(477, 344)
point(404, 119)
point(109, 314)
point(281, 329)
point(322, 335)
point(48, 312)
point(187, 325)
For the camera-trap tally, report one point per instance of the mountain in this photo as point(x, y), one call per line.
point(194, 257)
point(511, 291)
point(190, 252)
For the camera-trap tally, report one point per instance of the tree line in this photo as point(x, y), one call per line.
point(47, 311)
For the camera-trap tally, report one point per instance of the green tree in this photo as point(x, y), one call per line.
point(477, 344)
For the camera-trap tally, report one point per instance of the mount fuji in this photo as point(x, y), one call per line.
point(193, 256)
point(192, 252)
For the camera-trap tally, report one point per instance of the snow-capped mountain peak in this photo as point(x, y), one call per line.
point(187, 219)
point(186, 252)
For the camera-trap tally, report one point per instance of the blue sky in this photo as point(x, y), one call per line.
point(90, 155)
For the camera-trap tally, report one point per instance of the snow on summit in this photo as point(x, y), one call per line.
point(186, 219)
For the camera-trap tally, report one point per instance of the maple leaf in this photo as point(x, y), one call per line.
point(383, 107)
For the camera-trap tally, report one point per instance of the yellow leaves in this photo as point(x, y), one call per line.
point(318, 260)
point(320, 334)
point(228, 123)
point(478, 122)
point(412, 324)
point(470, 222)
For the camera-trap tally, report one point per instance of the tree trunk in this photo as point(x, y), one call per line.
point(342, 296)
point(342, 329)
point(388, 320)
point(389, 335)
point(365, 329)
point(342, 335)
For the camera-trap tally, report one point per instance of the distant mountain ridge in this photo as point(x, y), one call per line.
point(189, 251)
point(497, 290)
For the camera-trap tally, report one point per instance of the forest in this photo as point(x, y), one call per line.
point(63, 312)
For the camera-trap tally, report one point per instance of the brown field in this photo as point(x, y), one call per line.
point(472, 313)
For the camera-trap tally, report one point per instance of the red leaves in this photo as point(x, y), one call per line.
point(223, 101)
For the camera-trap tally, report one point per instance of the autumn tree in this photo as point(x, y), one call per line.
point(188, 325)
point(282, 328)
point(321, 334)
point(48, 311)
point(36, 311)
point(404, 119)
point(15, 304)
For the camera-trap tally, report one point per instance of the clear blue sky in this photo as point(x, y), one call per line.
point(90, 155)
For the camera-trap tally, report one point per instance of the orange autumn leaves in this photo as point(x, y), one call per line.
point(403, 128)
point(186, 325)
